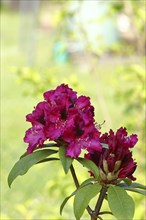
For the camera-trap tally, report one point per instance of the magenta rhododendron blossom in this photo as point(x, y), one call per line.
point(35, 137)
point(116, 161)
point(64, 118)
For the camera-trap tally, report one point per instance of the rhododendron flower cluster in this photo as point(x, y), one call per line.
point(64, 118)
point(68, 120)
point(116, 161)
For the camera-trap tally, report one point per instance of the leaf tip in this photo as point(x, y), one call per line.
point(9, 183)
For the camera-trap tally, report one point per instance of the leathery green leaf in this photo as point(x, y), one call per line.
point(25, 163)
point(85, 183)
point(65, 201)
point(65, 160)
point(134, 187)
point(120, 203)
point(90, 165)
point(45, 146)
point(83, 197)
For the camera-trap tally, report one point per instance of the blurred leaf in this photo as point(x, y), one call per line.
point(25, 163)
point(83, 197)
point(90, 165)
point(66, 161)
point(120, 203)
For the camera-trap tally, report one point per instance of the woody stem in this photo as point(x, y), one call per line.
point(77, 186)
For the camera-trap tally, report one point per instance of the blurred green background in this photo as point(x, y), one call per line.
point(98, 48)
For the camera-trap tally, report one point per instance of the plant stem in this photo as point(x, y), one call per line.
point(102, 213)
point(99, 203)
point(74, 176)
point(77, 186)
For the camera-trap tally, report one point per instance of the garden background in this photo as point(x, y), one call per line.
point(98, 48)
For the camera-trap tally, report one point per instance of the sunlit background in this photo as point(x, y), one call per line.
point(97, 48)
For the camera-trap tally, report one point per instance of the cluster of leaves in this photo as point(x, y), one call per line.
point(120, 203)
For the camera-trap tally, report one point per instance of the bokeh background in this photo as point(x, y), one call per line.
point(98, 48)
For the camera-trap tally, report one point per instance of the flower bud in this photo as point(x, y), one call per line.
point(110, 176)
point(115, 162)
point(103, 175)
point(117, 165)
point(105, 166)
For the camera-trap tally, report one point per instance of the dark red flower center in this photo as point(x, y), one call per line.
point(64, 114)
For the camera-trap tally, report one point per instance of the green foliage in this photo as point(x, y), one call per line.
point(37, 80)
point(83, 197)
point(134, 187)
point(132, 76)
point(66, 161)
point(65, 201)
point(25, 163)
point(85, 183)
point(120, 203)
point(90, 165)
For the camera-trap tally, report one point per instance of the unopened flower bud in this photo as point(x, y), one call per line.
point(105, 166)
point(117, 165)
point(103, 175)
point(110, 176)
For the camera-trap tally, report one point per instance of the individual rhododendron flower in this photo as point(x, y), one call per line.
point(35, 137)
point(81, 135)
point(64, 118)
point(116, 161)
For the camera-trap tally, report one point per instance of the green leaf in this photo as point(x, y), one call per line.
point(49, 145)
point(143, 192)
point(25, 163)
point(138, 185)
point(43, 147)
point(83, 197)
point(127, 181)
point(48, 159)
point(66, 161)
point(65, 201)
point(24, 155)
point(90, 165)
point(120, 203)
point(85, 183)
point(133, 185)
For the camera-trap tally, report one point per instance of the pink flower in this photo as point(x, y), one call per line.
point(34, 137)
point(38, 114)
point(60, 101)
point(61, 96)
point(81, 136)
point(64, 118)
point(116, 161)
